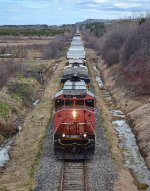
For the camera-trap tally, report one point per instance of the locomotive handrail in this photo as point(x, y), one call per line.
point(87, 123)
point(76, 107)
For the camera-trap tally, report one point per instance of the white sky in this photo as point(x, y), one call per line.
point(68, 11)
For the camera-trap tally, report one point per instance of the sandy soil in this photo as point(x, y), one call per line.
point(19, 172)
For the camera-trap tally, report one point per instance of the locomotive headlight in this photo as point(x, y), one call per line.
point(63, 135)
point(74, 114)
point(84, 135)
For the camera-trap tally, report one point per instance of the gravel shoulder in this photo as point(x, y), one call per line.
point(49, 169)
point(101, 169)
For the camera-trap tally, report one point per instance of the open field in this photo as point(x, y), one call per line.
point(4, 41)
point(23, 47)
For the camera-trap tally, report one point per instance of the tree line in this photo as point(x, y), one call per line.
point(30, 31)
point(97, 29)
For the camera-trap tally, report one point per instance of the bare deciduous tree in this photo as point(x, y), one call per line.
point(126, 42)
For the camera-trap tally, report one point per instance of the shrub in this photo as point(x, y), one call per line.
point(135, 56)
point(9, 68)
point(112, 57)
point(137, 45)
point(21, 91)
point(127, 42)
point(4, 110)
point(56, 47)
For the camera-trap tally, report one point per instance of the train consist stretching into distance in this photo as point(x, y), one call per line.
point(74, 115)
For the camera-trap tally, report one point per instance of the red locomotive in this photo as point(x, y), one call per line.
point(74, 122)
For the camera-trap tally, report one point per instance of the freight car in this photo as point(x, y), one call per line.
point(76, 51)
point(74, 114)
point(75, 73)
point(76, 54)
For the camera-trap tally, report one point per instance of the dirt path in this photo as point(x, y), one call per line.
point(19, 173)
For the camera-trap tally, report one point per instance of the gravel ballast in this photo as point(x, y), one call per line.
point(100, 169)
point(49, 169)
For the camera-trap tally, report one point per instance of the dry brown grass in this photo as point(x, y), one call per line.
point(125, 181)
point(12, 104)
point(20, 51)
point(19, 174)
point(24, 48)
point(24, 41)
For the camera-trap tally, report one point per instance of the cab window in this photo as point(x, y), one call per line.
point(59, 103)
point(89, 103)
point(69, 103)
point(79, 102)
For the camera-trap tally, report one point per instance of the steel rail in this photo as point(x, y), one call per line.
point(80, 168)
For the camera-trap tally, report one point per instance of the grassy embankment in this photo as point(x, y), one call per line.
point(136, 107)
point(17, 97)
point(25, 72)
point(19, 174)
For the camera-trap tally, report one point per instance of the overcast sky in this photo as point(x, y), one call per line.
point(66, 11)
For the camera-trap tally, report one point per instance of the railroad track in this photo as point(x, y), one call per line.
point(74, 176)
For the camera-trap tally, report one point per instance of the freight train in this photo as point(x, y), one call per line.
point(74, 114)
